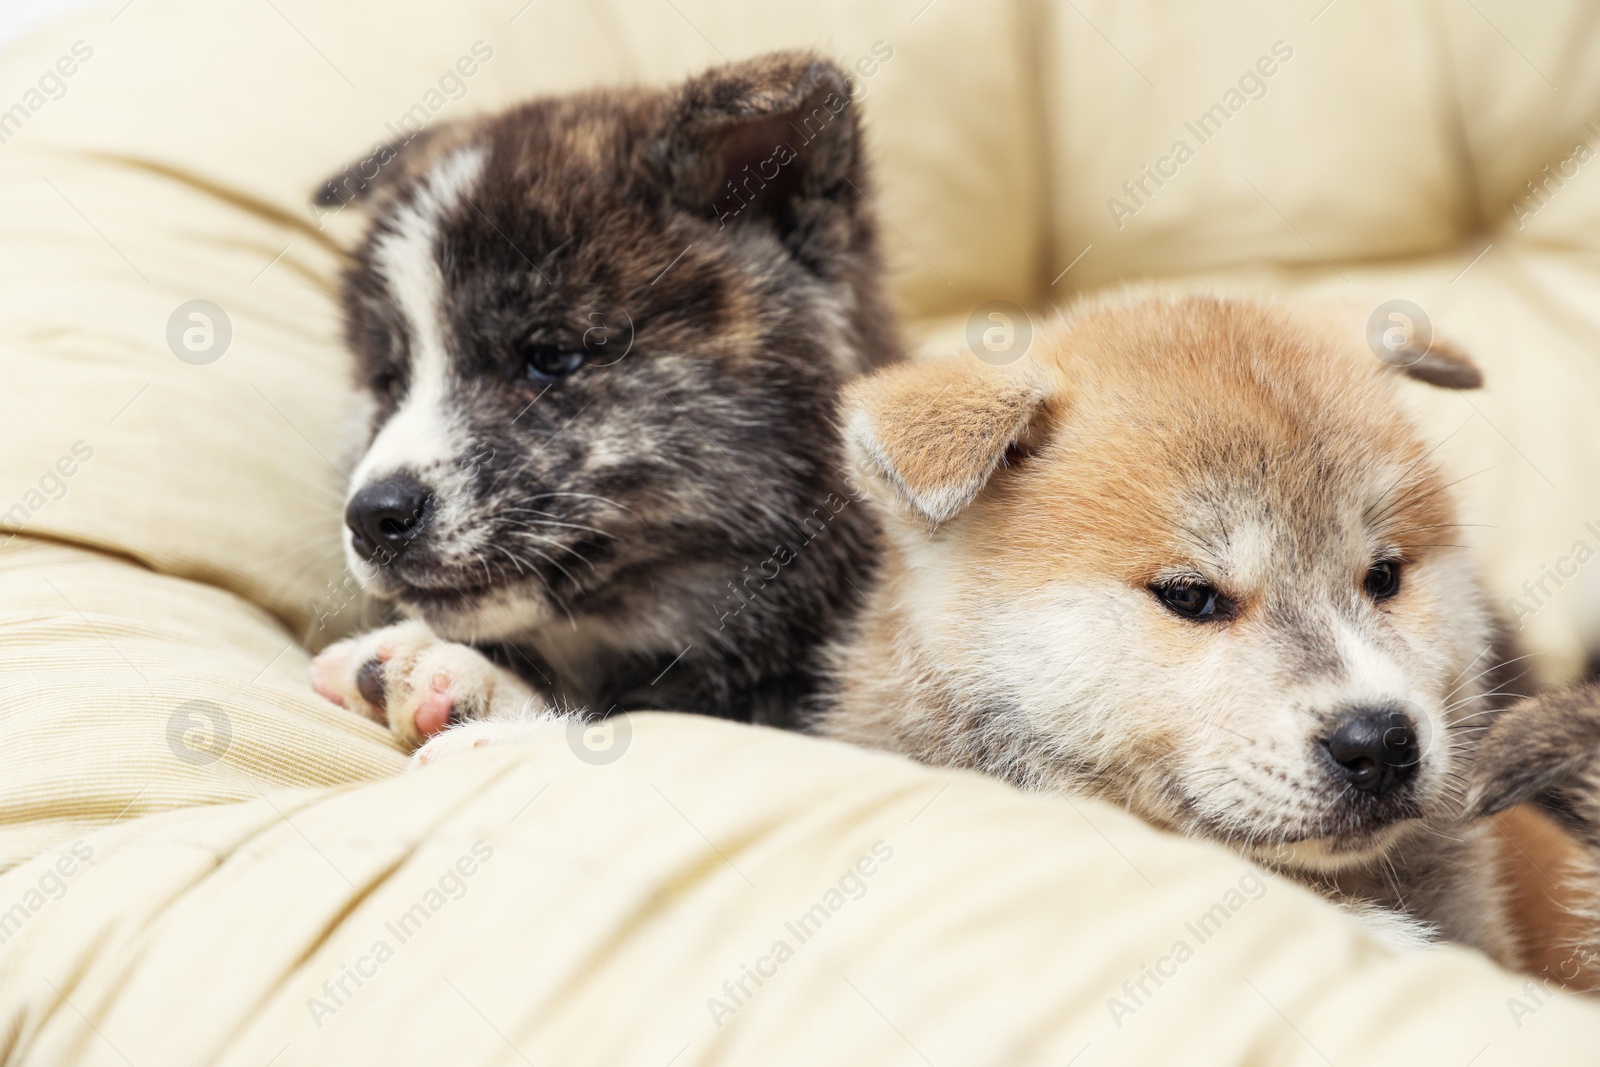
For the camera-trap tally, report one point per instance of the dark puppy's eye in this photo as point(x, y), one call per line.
point(385, 384)
point(546, 363)
point(1383, 579)
point(1193, 600)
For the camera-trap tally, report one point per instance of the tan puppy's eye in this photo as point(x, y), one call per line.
point(1189, 599)
point(1383, 579)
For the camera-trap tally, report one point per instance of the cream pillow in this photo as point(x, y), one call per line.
point(715, 894)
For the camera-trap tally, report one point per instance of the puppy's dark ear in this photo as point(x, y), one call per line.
point(932, 434)
point(380, 169)
point(773, 141)
point(1441, 363)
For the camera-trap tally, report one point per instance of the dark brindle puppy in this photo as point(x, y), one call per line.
point(601, 337)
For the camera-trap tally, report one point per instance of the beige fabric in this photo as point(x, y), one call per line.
point(179, 544)
point(607, 904)
point(127, 692)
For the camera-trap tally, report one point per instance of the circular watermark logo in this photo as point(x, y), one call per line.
point(607, 338)
point(999, 332)
point(199, 732)
point(1399, 332)
point(199, 332)
point(1423, 734)
point(599, 742)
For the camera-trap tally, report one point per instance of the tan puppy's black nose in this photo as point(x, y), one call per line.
point(386, 516)
point(1375, 750)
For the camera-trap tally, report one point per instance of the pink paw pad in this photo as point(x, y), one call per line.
point(326, 674)
point(435, 711)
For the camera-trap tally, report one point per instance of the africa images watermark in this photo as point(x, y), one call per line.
point(47, 888)
point(999, 332)
point(199, 732)
point(1252, 85)
point(1137, 991)
point(1537, 592)
point(51, 486)
point(851, 885)
point(745, 188)
point(51, 85)
point(1537, 192)
point(450, 885)
point(1540, 989)
point(199, 332)
point(347, 186)
point(748, 588)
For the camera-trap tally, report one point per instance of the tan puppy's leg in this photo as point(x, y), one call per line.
point(418, 684)
point(1551, 891)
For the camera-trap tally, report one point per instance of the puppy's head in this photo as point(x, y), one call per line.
point(1192, 555)
point(600, 337)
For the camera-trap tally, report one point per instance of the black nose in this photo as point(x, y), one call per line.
point(388, 515)
point(1375, 749)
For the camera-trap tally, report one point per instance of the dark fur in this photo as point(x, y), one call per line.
point(1544, 750)
point(622, 205)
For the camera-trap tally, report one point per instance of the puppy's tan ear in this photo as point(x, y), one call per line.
point(1442, 363)
point(935, 432)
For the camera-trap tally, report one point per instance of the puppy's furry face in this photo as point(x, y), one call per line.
point(602, 337)
point(1167, 561)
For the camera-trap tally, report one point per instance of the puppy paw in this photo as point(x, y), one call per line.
point(1544, 749)
point(417, 684)
point(475, 735)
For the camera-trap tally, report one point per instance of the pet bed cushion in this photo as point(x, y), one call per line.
point(194, 844)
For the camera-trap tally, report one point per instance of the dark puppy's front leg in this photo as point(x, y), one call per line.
point(419, 684)
point(1544, 750)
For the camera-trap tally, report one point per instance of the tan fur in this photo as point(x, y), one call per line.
point(1548, 881)
point(1030, 510)
point(938, 432)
